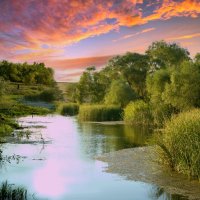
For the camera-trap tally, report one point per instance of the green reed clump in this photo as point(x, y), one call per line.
point(100, 113)
point(11, 192)
point(138, 112)
point(180, 143)
point(70, 109)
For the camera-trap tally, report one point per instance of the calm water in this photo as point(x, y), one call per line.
point(60, 161)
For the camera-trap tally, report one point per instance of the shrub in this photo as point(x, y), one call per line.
point(138, 112)
point(100, 113)
point(181, 143)
point(120, 93)
point(5, 129)
point(70, 109)
point(48, 95)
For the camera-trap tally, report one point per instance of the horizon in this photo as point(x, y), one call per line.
point(70, 36)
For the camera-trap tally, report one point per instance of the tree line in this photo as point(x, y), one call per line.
point(35, 73)
point(165, 77)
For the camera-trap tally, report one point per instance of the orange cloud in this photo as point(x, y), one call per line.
point(28, 25)
point(170, 8)
point(185, 37)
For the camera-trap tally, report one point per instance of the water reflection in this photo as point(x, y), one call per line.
point(159, 193)
point(97, 138)
point(65, 168)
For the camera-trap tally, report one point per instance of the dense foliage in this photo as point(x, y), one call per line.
point(181, 141)
point(138, 112)
point(119, 93)
point(35, 73)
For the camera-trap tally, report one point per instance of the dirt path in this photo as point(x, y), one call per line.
point(139, 164)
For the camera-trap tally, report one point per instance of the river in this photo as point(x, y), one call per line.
point(57, 160)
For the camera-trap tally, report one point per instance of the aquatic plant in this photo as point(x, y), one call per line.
point(11, 192)
point(138, 112)
point(100, 113)
point(70, 109)
point(180, 143)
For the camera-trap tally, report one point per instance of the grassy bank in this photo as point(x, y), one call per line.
point(100, 113)
point(180, 143)
point(12, 105)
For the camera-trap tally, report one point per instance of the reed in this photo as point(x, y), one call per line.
point(100, 113)
point(10, 192)
point(70, 109)
point(180, 143)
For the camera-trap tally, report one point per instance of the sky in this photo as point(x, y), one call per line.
point(71, 35)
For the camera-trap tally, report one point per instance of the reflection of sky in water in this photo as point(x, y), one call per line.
point(65, 168)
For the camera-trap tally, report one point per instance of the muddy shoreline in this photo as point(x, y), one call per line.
point(140, 164)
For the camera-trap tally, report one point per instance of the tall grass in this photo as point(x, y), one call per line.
point(10, 192)
point(138, 112)
point(70, 109)
point(181, 143)
point(100, 113)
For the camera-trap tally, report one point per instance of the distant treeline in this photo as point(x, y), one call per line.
point(35, 73)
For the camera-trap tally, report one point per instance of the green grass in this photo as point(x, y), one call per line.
point(180, 143)
point(138, 112)
point(100, 113)
point(70, 109)
point(11, 192)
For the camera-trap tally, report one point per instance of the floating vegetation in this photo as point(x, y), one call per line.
point(8, 159)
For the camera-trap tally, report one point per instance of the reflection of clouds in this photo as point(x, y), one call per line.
point(49, 180)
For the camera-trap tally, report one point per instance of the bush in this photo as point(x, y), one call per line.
point(70, 109)
point(100, 113)
point(5, 129)
point(181, 143)
point(138, 112)
point(120, 93)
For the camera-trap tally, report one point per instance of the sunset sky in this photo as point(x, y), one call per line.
point(70, 35)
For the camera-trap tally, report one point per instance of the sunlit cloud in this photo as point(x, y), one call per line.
point(185, 37)
point(134, 34)
point(41, 30)
point(58, 23)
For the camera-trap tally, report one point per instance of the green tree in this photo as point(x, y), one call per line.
point(162, 55)
point(92, 86)
point(120, 93)
point(156, 84)
point(133, 67)
point(2, 86)
point(183, 90)
point(197, 58)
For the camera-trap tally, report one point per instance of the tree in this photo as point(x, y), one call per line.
point(133, 67)
point(197, 58)
point(183, 90)
point(162, 55)
point(120, 93)
point(27, 73)
point(2, 86)
point(156, 84)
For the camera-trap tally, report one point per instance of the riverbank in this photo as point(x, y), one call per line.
point(141, 164)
